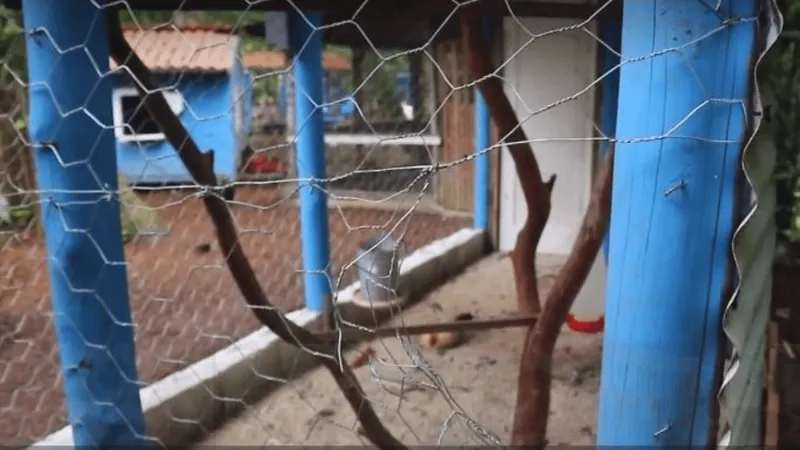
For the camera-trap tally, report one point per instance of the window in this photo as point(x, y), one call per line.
point(132, 122)
point(238, 108)
point(136, 116)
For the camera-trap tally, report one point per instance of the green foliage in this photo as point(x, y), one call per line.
point(137, 216)
point(128, 232)
point(12, 47)
point(21, 213)
point(382, 70)
point(781, 74)
point(13, 73)
point(18, 217)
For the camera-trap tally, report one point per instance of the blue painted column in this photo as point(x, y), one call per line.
point(611, 35)
point(76, 170)
point(482, 188)
point(672, 218)
point(305, 45)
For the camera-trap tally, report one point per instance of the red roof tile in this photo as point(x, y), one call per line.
point(188, 49)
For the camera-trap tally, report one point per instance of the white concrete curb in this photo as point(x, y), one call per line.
point(198, 398)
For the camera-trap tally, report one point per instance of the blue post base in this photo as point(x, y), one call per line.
point(672, 218)
point(305, 44)
point(76, 170)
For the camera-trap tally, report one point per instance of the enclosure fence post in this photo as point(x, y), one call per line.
point(75, 158)
point(483, 164)
point(305, 44)
point(683, 114)
point(611, 35)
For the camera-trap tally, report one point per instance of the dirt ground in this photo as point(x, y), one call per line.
point(463, 396)
point(184, 302)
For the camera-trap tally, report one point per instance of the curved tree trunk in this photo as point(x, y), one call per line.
point(534, 190)
point(533, 394)
point(535, 372)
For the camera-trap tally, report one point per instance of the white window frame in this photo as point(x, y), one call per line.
point(238, 108)
point(173, 97)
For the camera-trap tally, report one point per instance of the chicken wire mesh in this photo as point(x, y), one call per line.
point(376, 121)
point(185, 304)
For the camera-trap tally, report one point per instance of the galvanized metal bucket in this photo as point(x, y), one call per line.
point(378, 269)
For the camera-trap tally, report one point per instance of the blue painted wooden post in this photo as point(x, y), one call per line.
point(305, 44)
point(482, 188)
point(76, 167)
point(611, 35)
point(672, 218)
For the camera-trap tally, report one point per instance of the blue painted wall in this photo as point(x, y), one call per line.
point(208, 116)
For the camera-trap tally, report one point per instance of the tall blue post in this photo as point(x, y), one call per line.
point(305, 45)
point(672, 217)
point(611, 35)
point(76, 170)
point(483, 164)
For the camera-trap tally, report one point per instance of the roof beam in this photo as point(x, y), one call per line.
point(352, 8)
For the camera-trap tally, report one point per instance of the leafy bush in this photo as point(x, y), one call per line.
point(781, 73)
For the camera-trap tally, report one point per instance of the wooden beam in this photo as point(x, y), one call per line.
point(379, 25)
point(354, 334)
point(380, 8)
point(386, 23)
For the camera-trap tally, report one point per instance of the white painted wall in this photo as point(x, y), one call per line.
point(538, 73)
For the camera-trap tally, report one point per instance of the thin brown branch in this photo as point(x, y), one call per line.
point(534, 190)
point(533, 395)
point(354, 334)
point(200, 166)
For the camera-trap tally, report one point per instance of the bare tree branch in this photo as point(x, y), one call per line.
point(535, 374)
point(533, 396)
point(535, 191)
point(200, 166)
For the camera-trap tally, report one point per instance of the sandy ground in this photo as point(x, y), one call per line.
point(463, 396)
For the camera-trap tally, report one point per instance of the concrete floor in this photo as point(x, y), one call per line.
point(462, 396)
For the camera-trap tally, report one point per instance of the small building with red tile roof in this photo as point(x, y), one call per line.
point(202, 76)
